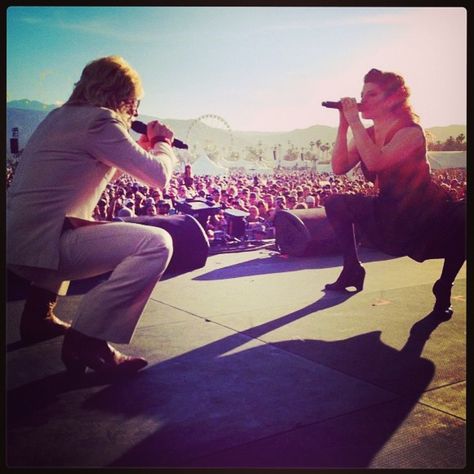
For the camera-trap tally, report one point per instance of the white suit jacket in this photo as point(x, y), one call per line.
point(62, 172)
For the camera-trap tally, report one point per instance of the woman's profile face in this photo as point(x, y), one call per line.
point(373, 101)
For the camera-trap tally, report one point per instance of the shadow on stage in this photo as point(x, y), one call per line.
point(280, 263)
point(236, 402)
point(16, 287)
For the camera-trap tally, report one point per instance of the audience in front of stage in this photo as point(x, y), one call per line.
point(261, 197)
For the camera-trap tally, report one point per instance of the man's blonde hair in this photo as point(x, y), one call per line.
point(107, 82)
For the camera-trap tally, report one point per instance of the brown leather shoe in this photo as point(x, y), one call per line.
point(80, 351)
point(38, 321)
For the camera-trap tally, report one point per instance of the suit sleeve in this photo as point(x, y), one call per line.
point(110, 142)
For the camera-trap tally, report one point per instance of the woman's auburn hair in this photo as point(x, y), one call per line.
point(107, 82)
point(393, 84)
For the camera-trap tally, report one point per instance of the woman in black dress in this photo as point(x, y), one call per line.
point(411, 215)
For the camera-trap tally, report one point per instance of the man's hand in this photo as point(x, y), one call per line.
point(144, 142)
point(157, 131)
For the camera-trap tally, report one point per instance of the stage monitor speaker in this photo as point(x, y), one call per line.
point(236, 219)
point(200, 209)
point(190, 242)
point(302, 232)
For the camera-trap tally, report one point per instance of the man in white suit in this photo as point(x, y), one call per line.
point(52, 237)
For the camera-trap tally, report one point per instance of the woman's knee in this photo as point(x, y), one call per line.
point(335, 205)
point(330, 202)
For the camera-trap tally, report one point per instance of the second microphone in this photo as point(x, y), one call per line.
point(140, 127)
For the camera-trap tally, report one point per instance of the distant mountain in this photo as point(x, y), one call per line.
point(443, 133)
point(27, 114)
point(26, 104)
point(195, 133)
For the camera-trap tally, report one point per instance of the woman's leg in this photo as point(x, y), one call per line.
point(442, 287)
point(343, 211)
point(339, 213)
point(455, 256)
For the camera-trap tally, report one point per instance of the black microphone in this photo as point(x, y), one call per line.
point(141, 127)
point(334, 105)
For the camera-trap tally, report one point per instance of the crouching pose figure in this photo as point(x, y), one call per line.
point(410, 215)
point(51, 236)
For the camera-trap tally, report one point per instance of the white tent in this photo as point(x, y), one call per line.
point(447, 159)
point(205, 166)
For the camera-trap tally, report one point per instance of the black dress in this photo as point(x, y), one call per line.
point(411, 215)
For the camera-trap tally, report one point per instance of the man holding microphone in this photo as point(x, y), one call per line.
point(51, 236)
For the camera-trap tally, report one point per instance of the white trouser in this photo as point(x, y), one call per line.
point(136, 254)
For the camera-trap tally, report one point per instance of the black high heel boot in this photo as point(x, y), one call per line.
point(442, 292)
point(350, 276)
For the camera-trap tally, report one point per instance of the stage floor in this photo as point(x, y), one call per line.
point(251, 364)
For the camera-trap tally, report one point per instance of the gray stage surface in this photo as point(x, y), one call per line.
point(251, 364)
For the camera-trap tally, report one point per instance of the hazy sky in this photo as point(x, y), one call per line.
point(260, 68)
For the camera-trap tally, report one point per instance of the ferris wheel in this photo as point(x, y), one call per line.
point(211, 134)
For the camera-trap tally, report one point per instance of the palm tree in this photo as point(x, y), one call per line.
point(430, 139)
point(449, 144)
point(318, 146)
point(459, 142)
point(324, 148)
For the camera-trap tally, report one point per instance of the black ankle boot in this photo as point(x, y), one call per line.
point(442, 292)
point(350, 276)
point(38, 321)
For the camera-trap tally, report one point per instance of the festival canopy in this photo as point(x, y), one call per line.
point(440, 160)
point(205, 166)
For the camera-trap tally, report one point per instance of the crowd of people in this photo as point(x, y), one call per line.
point(258, 197)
